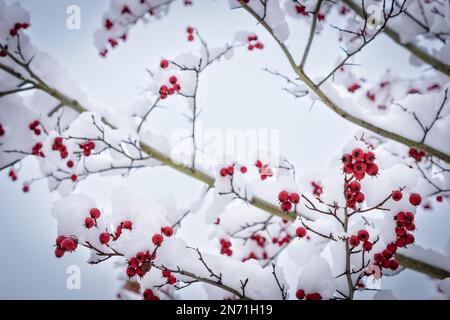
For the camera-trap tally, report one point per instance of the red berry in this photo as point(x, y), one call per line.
point(166, 273)
point(300, 294)
point(367, 246)
point(133, 263)
point(189, 29)
point(171, 280)
point(391, 248)
point(347, 158)
point(89, 222)
point(283, 196)
point(140, 272)
point(230, 170)
point(357, 154)
point(355, 186)
point(397, 195)
point(127, 224)
point(104, 238)
point(59, 253)
point(294, 197)
point(70, 164)
point(409, 238)
point(360, 167)
point(372, 169)
point(26, 188)
point(359, 197)
point(164, 63)
point(95, 213)
point(348, 168)
point(243, 169)
point(360, 176)
point(349, 195)
point(439, 198)
point(400, 231)
point(353, 241)
point(385, 264)
point(157, 239)
point(415, 199)
point(173, 79)
point(167, 231)
point(140, 257)
point(223, 172)
point(369, 157)
point(68, 244)
point(363, 235)
point(131, 272)
point(313, 296)
point(393, 264)
point(300, 232)
point(59, 240)
point(73, 177)
point(148, 294)
point(286, 206)
point(410, 226)
point(401, 243)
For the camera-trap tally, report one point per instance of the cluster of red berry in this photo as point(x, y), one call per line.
point(353, 194)
point(33, 126)
point(317, 188)
point(359, 163)
point(225, 247)
point(416, 154)
point(229, 171)
point(253, 43)
point(65, 244)
point(281, 241)
point(190, 32)
point(353, 87)
point(301, 10)
point(405, 225)
point(254, 256)
point(58, 145)
point(362, 236)
point(165, 90)
point(301, 295)
point(17, 27)
point(287, 200)
point(149, 295)
point(37, 150)
point(258, 239)
point(91, 221)
point(108, 26)
point(12, 174)
point(169, 276)
point(140, 264)
point(264, 170)
point(127, 224)
point(87, 147)
point(414, 198)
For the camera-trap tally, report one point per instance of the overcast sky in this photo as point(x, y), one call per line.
point(233, 94)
